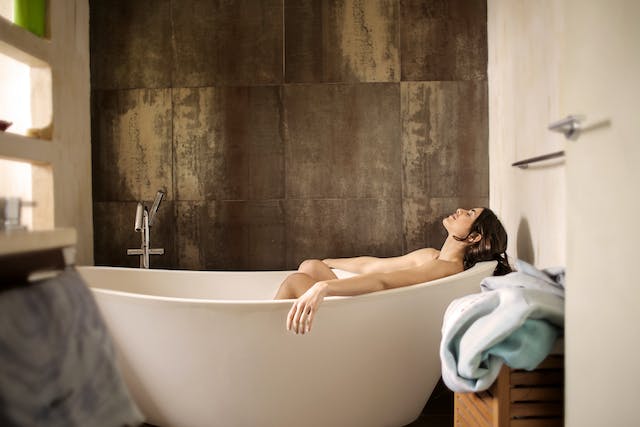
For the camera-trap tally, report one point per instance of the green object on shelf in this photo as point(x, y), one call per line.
point(31, 15)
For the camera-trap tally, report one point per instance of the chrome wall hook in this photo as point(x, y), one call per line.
point(569, 126)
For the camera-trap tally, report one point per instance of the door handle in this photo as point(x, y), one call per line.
point(569, 126)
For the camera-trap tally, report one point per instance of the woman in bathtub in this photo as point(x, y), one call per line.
point(474, 235)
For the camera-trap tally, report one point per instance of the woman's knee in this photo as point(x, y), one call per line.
point(308, 265)
point(315, 268)
point(292, 286)
point(295, 278)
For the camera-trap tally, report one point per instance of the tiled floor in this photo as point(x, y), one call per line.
point(438, 412)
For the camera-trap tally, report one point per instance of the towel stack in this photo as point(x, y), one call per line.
point(516, 320)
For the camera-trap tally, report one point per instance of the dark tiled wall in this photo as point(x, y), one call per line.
point(284, 129)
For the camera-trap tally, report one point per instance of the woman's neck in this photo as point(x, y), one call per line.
point(452, 250)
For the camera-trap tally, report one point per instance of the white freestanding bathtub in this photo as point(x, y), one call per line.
point(201, 349)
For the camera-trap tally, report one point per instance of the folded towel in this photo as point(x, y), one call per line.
point(57, 362)
point(516, 320)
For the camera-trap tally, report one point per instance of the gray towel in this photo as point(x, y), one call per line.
point(57, 362)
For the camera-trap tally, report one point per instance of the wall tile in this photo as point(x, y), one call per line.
point(130, 44)
point(227, 42)
point(114, 233)
point(231, 235)
point(342, 141)
point(268, 174)
point(188, 232)
point(321, 228)
point(443, 40)
point(445, 139)
point(341, 41)
point(422, 219)
point(267, 235)
point(228, 143)
point(131, 144)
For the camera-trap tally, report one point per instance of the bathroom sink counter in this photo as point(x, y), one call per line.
point(25, 253)
point(13, 242)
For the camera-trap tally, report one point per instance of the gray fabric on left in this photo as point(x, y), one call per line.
point(57, 361)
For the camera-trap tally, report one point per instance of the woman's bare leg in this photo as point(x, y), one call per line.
point(309, 272)
point(294, 285)
point(317, 270)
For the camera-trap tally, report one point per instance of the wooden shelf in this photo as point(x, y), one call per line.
point(517, 398)
point(19, 241)
point(34, 255)
point(27, 48)
point(18, 147)
point(23, 46)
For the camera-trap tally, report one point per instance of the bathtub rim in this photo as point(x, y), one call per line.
point(271, 302)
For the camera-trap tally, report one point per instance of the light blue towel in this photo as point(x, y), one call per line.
point(516, 323)
point(527, 276)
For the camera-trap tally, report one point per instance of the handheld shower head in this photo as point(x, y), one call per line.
point(155, 206)
point(139, 213)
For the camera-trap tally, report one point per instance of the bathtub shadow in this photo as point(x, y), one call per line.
point(438, 412)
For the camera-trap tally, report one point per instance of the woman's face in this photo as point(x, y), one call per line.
point(459, 223)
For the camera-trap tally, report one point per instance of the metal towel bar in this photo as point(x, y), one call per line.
point(523, 164)
point(571, 126)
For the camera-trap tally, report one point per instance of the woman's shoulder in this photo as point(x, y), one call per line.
point(430, 269)
point(423, 255)
point(437, 268)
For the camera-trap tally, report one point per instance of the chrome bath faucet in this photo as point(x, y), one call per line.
point(143, 223)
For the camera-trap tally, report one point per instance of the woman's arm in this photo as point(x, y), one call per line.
point(373, 282)
point(301, 315)
point(367, 264)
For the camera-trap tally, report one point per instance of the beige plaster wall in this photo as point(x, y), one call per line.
point(523, 75)
point(72, 123)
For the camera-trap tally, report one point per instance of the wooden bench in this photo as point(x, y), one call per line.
point(517, 398)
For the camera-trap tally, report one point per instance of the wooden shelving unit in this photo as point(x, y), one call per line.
point(35, 52)
point(18, 147)
point(23, 46)
point(60, 111)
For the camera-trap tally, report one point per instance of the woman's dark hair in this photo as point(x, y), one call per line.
point(491, 247)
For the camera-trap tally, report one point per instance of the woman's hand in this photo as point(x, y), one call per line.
point(301, 315)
